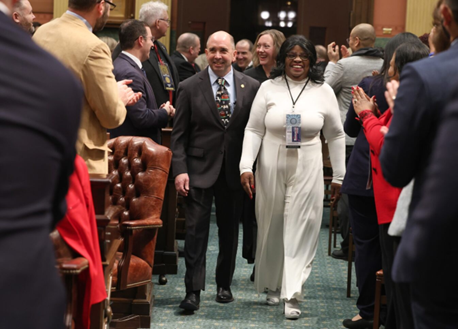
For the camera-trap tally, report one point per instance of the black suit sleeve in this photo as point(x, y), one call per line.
point(185, 70)
point(410, 126)
point(429, 238)
point(351, 125)
point(139, 114)
point(180, 132)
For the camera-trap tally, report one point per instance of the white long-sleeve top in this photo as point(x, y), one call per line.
point(319, 111)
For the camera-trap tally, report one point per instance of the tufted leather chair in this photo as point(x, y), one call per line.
point(139, 169)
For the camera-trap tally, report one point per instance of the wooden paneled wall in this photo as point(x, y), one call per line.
point(419, 16)
point(391, 16)
point(42, 10)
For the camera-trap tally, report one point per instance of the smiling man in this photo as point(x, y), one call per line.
point(244, 57)
point(213, 107)
point(144, 118)
point(159, 67)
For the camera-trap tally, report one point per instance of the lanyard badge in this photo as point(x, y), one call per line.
point(293, 121)
point(166, 76)
point(293, 130)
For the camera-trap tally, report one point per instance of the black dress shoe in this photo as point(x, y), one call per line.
point(358, 324)
point(191, 301)
point(339, 254)
point(252, 275)
point(224, 295)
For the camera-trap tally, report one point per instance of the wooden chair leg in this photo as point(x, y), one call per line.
point(350, 261)
point(336, 225)
point(331, 226)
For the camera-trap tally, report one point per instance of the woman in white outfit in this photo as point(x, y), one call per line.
point(283, 132)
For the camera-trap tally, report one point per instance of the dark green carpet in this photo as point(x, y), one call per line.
point(325, 306)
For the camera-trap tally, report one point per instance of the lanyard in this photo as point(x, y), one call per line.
point(160, 61)
point(292, 99)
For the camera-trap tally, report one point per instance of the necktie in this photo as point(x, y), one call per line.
point(144, 72)
point(223, 102)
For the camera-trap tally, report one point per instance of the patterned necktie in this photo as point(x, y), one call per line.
point(144, 72)
point(223, 102)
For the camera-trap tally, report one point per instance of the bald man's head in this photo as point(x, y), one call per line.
point(188, 44)
point(362, 36)
point(321, 53)
point(220, 52)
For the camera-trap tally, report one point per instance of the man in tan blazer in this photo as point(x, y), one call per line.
point(71, 40)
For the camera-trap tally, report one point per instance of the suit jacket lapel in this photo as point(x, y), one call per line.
point(207, 91)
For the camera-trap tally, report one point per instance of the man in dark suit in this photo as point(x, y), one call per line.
point(188, 48)
point(423, 94)
point(430, 247)
point(40, 110)
point(213, 108)
point(143, 118)
point(160, 69)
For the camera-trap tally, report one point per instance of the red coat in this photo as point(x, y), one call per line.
point(386, 196)
point(79, 230)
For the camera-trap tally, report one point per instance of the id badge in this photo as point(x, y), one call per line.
point(166, 77)
point(293, 130)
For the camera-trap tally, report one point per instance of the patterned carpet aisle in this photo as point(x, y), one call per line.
point(325, 303)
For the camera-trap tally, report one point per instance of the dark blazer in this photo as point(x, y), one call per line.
point(257, 73)
point(184, 68)
point(423, 94)
point(428, 245)
point(358, 166)
point(144, 118)
point(200, 142)
point(153, 72)
point(40, 108)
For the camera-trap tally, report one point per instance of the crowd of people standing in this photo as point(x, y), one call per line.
point(246, 135)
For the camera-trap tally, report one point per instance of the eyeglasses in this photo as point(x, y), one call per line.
point(165, 20)
point(112, 5)
point(302, 56)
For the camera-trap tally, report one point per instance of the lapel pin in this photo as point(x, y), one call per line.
point(242, 85)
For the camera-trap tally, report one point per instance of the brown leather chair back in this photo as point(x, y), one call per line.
point(139, 169)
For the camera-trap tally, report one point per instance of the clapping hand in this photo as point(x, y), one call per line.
point(363, 102)
point(169, 108)
point(391, 92)
point(333, 52)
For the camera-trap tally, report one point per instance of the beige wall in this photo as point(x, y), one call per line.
point(419, 16)
point(60, 6)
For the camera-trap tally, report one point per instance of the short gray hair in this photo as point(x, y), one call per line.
point(151, 11)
